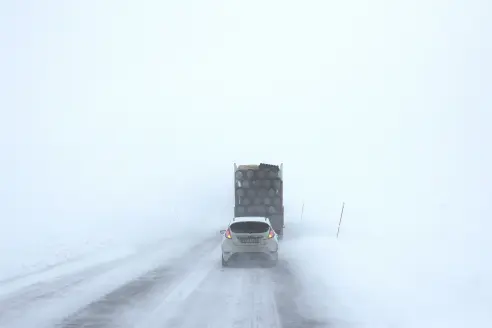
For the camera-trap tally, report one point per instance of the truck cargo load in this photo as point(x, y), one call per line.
point(258, 191)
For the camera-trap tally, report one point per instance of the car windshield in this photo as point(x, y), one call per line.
point(249, 227)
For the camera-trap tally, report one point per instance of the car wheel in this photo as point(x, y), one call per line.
point(224, 262)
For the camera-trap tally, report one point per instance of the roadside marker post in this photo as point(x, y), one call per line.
point(340, 222)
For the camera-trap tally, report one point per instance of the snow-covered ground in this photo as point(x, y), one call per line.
point(320, 281)
point(170, 285)
point(389, 281)
point(31, 249)
point(47, 298)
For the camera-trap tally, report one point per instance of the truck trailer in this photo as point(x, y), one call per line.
point(258, 192)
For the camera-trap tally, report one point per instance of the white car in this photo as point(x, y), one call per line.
point(252, 237)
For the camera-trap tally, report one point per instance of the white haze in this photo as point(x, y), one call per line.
point(122, 119)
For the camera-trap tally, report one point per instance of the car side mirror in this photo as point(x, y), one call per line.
point(222, 232)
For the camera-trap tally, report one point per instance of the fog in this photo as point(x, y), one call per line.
point(121, 121)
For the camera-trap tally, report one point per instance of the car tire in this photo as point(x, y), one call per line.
point(273, 262)
point(224, 262)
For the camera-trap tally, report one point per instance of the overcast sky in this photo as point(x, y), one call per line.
point(382, 104)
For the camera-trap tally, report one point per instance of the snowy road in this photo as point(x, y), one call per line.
point(187, 289)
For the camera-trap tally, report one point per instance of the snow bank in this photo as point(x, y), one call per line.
point(36, 249)
point(33, 239)
point(390, 282)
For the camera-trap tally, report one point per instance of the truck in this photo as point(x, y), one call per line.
point(258, 190)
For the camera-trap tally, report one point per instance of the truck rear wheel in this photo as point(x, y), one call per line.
point(280, 234)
